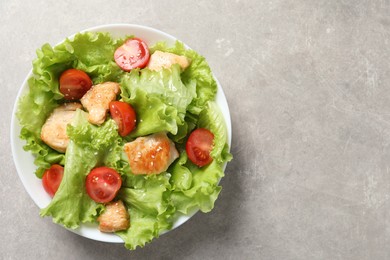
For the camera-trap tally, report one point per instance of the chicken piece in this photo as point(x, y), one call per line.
point(151, 154)
point(97, 101)
point(114, 218)
point(53, 131)
point(159, 60)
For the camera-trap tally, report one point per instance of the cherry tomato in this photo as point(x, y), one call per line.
point(134, 53)
point(124, 115)
point(199, 146)
point(52, 178)
point(74, 84)
point(103, 184)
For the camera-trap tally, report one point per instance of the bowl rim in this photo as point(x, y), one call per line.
point(17, 144)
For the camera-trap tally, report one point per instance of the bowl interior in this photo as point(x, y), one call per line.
point(24, 161)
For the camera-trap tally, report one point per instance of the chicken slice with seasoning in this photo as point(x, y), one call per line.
point(151, 154)
point(159, 60)
point(53, 131)
point(97, 101)
point(114, 218)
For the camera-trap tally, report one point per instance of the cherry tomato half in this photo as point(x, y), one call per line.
point(199, 146)
point(103, 184)
point(134, 53)
point(124, 115)
point(74, 84)
point(52, 178)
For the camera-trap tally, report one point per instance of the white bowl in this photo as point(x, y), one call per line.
point(24, 161)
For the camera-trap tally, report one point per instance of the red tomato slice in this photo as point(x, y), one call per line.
point(102, 184)
point(134, 53)
point(74, 84)
point(199, 146)
point(52, 178)
point(124, 115)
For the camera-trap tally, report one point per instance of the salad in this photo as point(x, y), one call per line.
point(124, 135)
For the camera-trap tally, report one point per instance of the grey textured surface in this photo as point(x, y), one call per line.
point(308, 85)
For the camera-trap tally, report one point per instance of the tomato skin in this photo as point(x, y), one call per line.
point(199, 146)
point(52, 178)
point(74, 84)
point(102, 184)
point(124, 115)
point(134, 53)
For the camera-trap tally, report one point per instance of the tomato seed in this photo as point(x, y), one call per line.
point(200, 154)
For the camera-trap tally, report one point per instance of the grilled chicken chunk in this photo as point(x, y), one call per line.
point(159, 60)
point(53, 132)
point(97, 101)
point(114, 218)
point(151, 154)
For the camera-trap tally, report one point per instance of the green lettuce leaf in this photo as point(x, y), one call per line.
point(44, 155)
point(151, 210)
point(94, 53)
point(143, 228)
point(198, 71)
point(203, 190)
point(153, 115)
point(181, 175)
point(91, 52)
point(160, 99)
point(171, 100)
point(211, 118)
point(198, 187)
point(88, 148)
point(148, 198)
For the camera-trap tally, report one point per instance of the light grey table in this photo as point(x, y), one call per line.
point(308, 84)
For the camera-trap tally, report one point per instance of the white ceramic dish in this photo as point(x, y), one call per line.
point(24, 161)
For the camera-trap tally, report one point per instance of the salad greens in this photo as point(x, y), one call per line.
point(71, 204)
point(169, 100)
point(160, 99)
